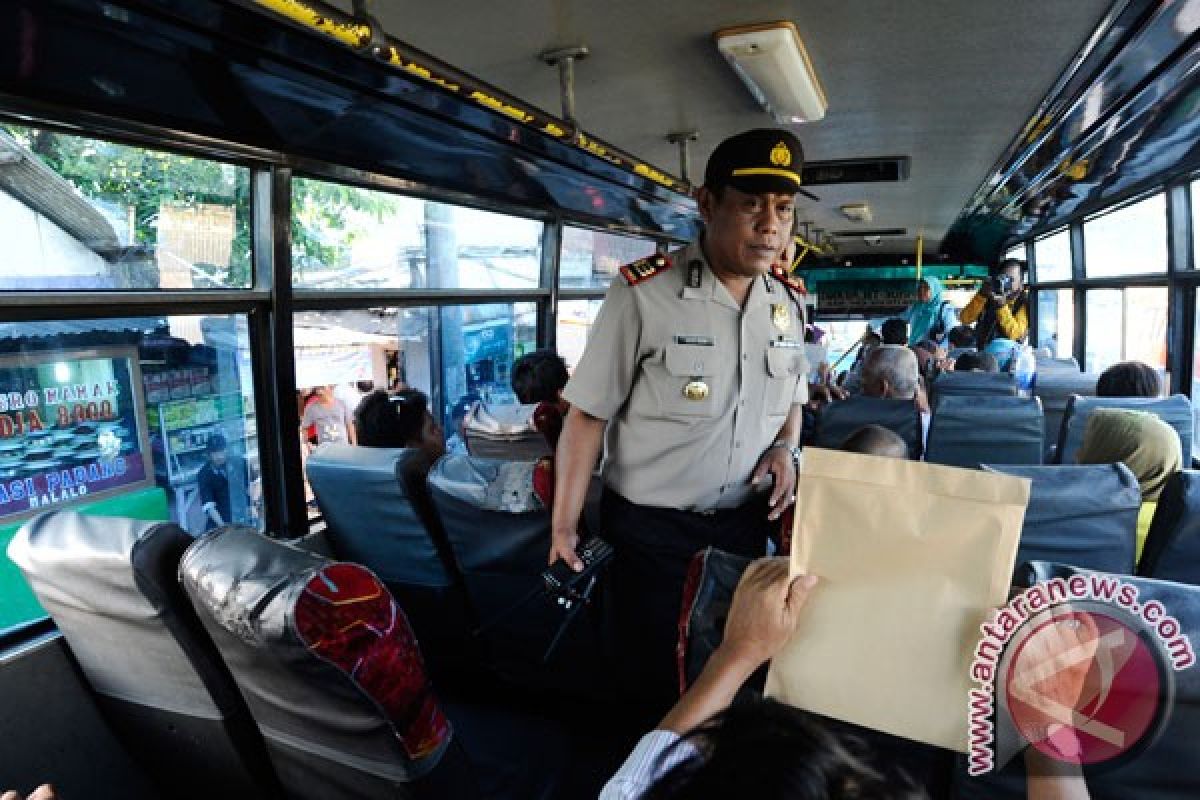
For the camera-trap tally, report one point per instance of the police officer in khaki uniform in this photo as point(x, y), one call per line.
point(693, 380)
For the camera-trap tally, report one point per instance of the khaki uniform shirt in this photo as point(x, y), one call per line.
point(649, 342)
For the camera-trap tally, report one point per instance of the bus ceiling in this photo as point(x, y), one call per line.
point(932, 107)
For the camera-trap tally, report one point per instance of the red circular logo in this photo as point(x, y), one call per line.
point(1084, 687)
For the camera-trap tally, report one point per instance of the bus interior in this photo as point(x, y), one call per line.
point(214, 210)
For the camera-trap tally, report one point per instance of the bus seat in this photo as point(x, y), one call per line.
point(1054, 388)
point(110, 584)
point(968, 431)
point(334, 676)
point(1175, 410)
point(499, 531)
point(377, 514)
point(1051, 364)
point(504, 432)
point(974, 384)
point(842, 418)
point(1080, 515)
point(1172, 551)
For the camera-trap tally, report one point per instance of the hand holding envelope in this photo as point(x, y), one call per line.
point(911, 558)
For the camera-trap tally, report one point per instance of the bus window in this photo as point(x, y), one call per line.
point(81, 213)
point(1056, 321)
point(1052, 257)
point(1017, 252)
point(590, 259)
point(151, 418)
point(345, 237)
point(1126, 325)
point(575, 318)
point(1129, 241)
point(394, 348)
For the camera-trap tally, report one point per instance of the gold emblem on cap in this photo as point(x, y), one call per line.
point(781, 156)
point(780, 316)
point(695, 389)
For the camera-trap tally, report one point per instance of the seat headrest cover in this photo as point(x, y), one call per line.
point(108, 604)
point(300, 608)
point(487, 484)
point(346, 616)
point(503, 420)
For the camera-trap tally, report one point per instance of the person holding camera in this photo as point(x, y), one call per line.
point(1000, 309)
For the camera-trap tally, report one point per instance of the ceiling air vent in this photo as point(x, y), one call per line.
point(869, 232)
point(856, 170)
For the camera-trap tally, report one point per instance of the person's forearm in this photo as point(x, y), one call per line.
point(973, 309)
point(1049, 779)
point(712, 692)
point(575, 458)
point(792, 426)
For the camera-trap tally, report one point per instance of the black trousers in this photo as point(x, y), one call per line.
point(653, 549)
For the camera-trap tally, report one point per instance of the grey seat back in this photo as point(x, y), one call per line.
point(499, 531)
point(110, 583)
point(839, 420)
point(1080, 515)
point(969, 431)
point(1172, 550)
point(378, 514)
point(373, 515)
point(1051, 364)
point(504, 432)
point(1054, 388)
point(1175, 410)
point(326, 662)
point(974, 384)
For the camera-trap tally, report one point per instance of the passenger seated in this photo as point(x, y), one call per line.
point(976, 362)
point(399, 420)
point(891, 371)
point(894, 331)
point(1142, 442)
point(876, 440)
point(540, 377)
point(706, 748)
point(1129, 379)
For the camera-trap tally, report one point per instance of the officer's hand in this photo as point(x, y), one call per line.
point(765, 611)
point(563, 544)
point(777, 462)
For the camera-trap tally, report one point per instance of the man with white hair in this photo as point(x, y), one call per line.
point(890, 370)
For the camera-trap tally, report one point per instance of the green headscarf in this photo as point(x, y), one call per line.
point(923, 317)
point(1141, 441)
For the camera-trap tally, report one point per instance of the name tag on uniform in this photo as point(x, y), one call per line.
point(789, 344)
point(699, 341)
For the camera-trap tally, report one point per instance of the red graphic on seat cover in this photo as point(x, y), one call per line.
point(348, 618)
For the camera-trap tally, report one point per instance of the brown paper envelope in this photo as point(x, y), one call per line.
point(911, 558)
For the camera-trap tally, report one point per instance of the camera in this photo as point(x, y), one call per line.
point(1002, 285)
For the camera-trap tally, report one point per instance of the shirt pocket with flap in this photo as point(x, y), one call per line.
point(785, 366)
point(689, 386)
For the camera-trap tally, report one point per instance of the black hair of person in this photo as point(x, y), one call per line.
point(961, 336)
point(539, 376)
point(216, 443)
point(985, 362)
point(894, 331)
point(769, 751)
point(396, 420)
point(1129, 379)
point(875, 440)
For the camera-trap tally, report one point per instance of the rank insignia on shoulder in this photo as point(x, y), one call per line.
point(791, 281)
point(645, 269)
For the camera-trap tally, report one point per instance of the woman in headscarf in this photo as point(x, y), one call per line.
point(1140, 441)
point(931, 317)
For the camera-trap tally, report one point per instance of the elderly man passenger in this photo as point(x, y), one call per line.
point(891, 371)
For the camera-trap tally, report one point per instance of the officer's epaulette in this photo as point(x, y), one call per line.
point(646, 268)
point(791, 281)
